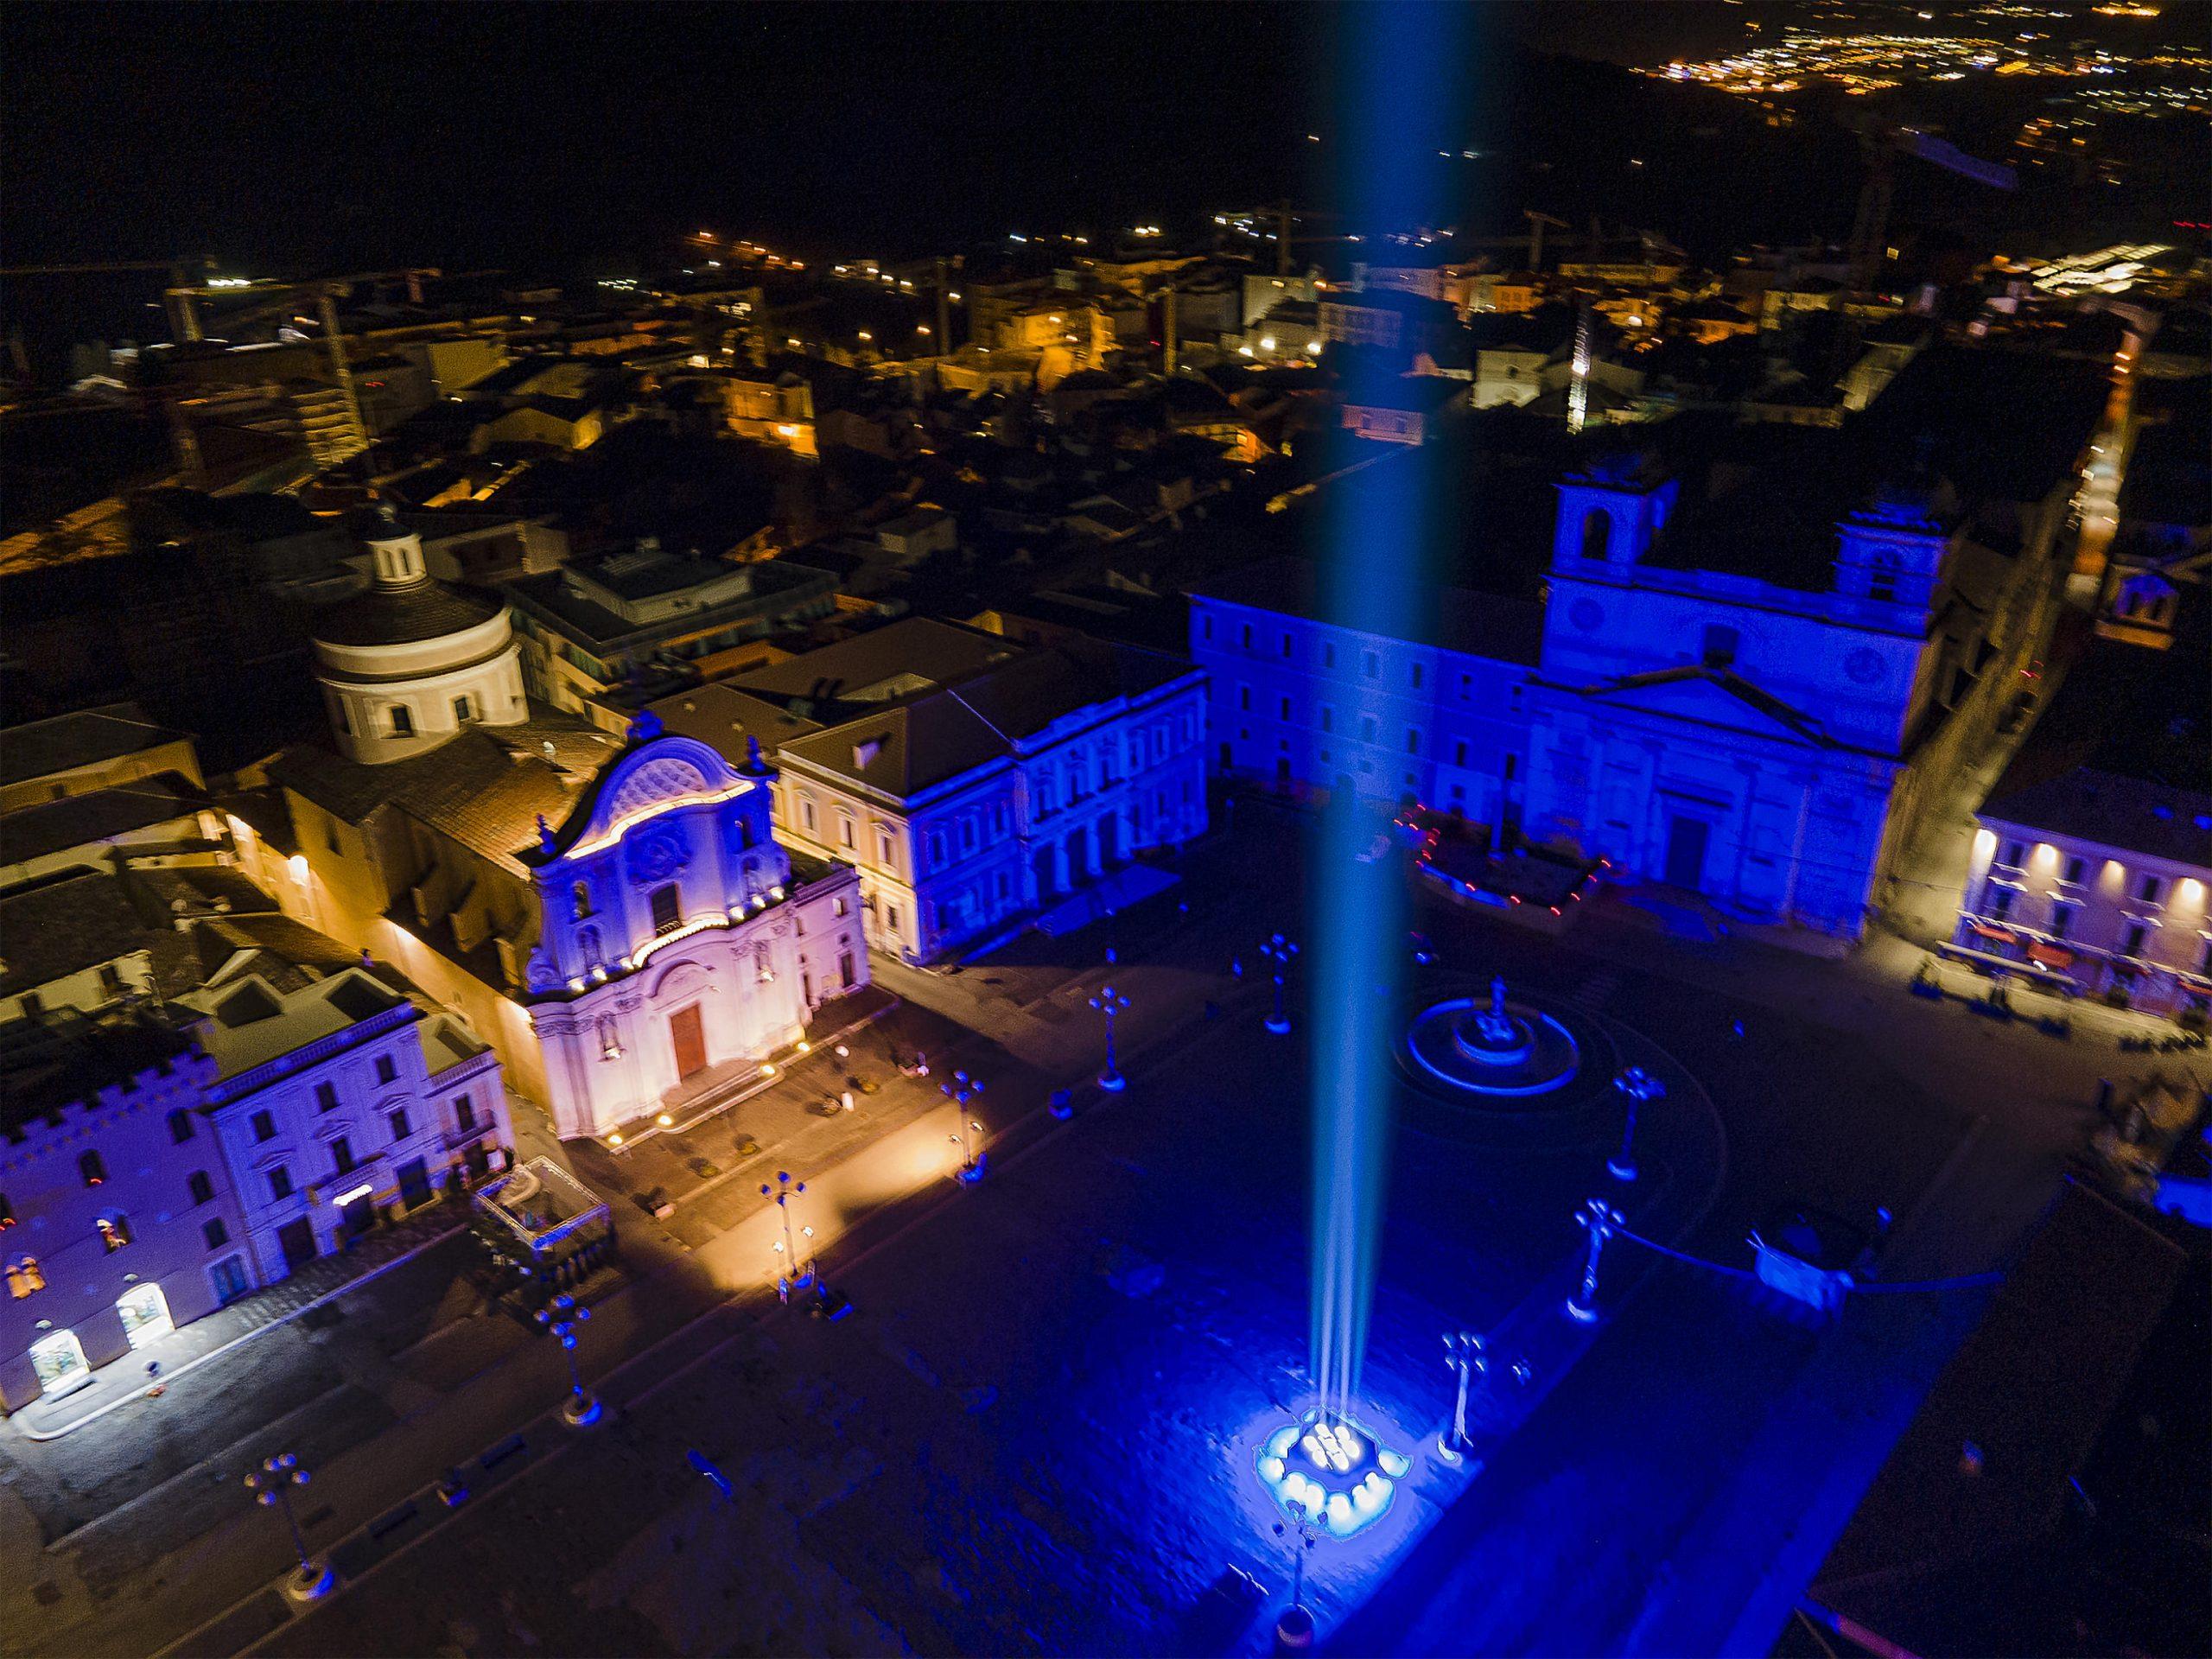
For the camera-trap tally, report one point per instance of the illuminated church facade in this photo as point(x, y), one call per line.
point(677, 946)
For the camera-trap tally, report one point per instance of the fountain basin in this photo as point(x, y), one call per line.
point(1330, 1474)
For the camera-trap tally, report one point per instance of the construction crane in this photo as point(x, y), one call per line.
point(1871, 224)
point(1537, 222)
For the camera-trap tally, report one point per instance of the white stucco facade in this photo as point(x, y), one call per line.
point(675, 940)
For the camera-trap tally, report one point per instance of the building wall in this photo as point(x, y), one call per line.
point(970, 857)
point(363, 684)
point(2123, 918)
point(305, 1132)
point(1317, 708)
point(55, 1216)
point(179, 756)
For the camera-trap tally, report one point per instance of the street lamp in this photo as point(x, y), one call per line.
point(1280, 949)
point(1110, 1002)
point(1294, 1624)
point(1463, 1354)
point(962, 1090)
point(783, 1191)
point(560, 1318)
point(271, 1485)
point(1601, 1218)
point(1635, 1085)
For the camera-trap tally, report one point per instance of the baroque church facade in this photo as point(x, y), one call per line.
point(613, 915)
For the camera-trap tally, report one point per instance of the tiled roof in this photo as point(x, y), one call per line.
point(917, 649)
point(67, 741)
point(485, 789)
point(384, 616)
point(63, 924)
point(96, 817)
point(46, 1065)
point(1451, 619)
point(906, 750)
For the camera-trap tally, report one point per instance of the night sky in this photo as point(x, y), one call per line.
point(287, 137)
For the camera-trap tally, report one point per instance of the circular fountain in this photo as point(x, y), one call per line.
point(1506, 1050)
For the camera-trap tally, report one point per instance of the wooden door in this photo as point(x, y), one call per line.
point(691, 1040)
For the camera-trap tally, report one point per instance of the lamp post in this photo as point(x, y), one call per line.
point(783, 1191)
point(560, 1318)
point(1635, 1085)
point(1463, 1354)
point(962, 1090)
point(1280, 949)
point(1110, 1002)
point(1601, 1218)
point(271, 1485)
point(1295, 1625)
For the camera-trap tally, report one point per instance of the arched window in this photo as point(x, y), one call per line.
point(1597, 533)
point(114, 1231)
point(92, 1167)
point(583, 895)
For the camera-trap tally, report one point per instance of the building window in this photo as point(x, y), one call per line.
point(580, 896)
point(1882, 577)
point(1509, 768)
point(280, 1183)
point(1328, 653)
point(1328, 718)
point(92, 1167)
point(1248, 636)
point(1417, 676)
point(1719, 647)
point(587, 947)
point(837, 906)
point(387, 1069)
point(1412, 740)
point(1285, 713)
point(401, 1129)
point(2073, 870)
point(1597, 533)
point(806, 813)
point(936, 847)
point(7, 1213)
point(265, 1127)
point(201, 1188)
point(114, 1231)
point(1370, 665)
point(1367, 729)
point(2013, 854)
point(2131, 944)
point(341, 1154)
point(464, 711)
point(1459, 752)
point(845, 830)
point(667, 902)
point(402, 721)
point(215, 1233)
point(24, 1278)
point(464, 1112)
point(1286, 647)
point(2149, 889)
point(2000, 902)
point(2062, 920)
point(181, 1129)
point(1244, 698)
point(112, 985)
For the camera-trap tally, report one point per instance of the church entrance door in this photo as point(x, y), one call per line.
point(685, 1031)
point(1687, 839)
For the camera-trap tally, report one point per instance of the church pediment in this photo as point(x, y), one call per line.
point(650, 777)
point(1710, 699)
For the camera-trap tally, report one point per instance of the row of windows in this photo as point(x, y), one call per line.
point(2149, 889)
point(397, 720)
point(1998, 899)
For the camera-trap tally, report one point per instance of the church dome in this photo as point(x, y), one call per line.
point(413, 661)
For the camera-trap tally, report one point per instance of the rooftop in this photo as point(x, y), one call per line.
point(396, 616)
point(485, 789)
point(47, 1065)
point(1451, 619)
point(97, 816)
point(42, 748)
point(911, 655)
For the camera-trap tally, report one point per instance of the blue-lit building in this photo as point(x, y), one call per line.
point(1757, 698)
